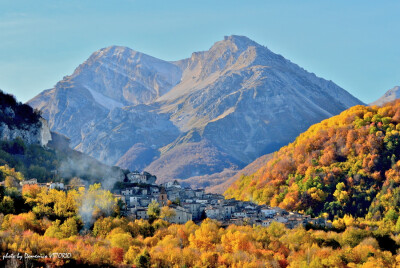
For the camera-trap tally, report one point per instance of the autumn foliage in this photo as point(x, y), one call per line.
point(206, 245)
point(347, 164)
point(52, 221)
point(346, 169)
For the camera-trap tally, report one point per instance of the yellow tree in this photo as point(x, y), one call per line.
point(94, 203)
point(120, 239)
point(206, 237)
point(167, 213)
point(235, 241)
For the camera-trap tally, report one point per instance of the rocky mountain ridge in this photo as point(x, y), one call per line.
point(219, 109)
point(390, 95)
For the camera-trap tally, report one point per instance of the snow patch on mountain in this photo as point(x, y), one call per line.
point(104, 101)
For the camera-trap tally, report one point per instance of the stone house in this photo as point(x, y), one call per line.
point(228, 210)
point(145, 177)
point(240, 214)
point(213, 212)
point(134, 200)
point(194, 209)
point(141, 213)
point(128, 192)
point(28, 182)
point(199, 193)
point(268, 213)
point(182, 215)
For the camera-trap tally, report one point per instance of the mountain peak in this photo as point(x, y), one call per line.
point(232, 51)
point(235, 43)
point(179, 112)
point(115, 48)
point(114, 52)
point(390, 95)
point(240, 40)
point(117, 76)
point(393, 90)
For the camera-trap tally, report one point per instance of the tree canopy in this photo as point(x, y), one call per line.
point(347, 164)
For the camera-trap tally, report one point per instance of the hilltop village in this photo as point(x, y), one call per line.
point(195, 204)
point(139, 190)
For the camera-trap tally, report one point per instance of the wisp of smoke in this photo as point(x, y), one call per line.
point(94, 203)
point(91, 170)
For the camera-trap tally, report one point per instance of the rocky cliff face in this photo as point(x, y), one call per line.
point(219, 109)
point(33, 134)
point(20, 121)
point(45, 134)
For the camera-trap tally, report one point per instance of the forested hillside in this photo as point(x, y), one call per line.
point(85, 229)
point(348, 164)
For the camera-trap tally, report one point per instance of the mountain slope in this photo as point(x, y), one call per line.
point(246, 171)
point(390, 95)
point(262, 99)
point(124, 128)
point(219, 109)
point(347, 164)
point(220, 181)
point(111, 78)
point(28, 146)
point(68, 107)
point(124, 76)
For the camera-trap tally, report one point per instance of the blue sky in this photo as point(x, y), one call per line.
point(353, 43)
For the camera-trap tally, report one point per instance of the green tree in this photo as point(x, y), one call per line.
point(391, 215)
point(7, 205)
point(177, 201)
point(54, 230)
point(153, 211)
point(276, 229)
point(398, 225)
point(69, 228)
point(130, 256)
point(102, 227)
point(143, 260)
point(121, 240)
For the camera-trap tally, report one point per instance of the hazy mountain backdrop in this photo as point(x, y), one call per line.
point(212, 113)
